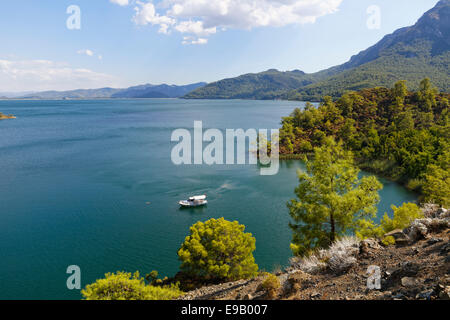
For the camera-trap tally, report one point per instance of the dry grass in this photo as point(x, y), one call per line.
point(341, 255)
point(338, 258)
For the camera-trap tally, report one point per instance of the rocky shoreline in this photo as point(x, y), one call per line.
point(417, 267)
point(4, 116)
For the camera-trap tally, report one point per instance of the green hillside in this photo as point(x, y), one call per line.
point(410, 53)
point(265, 85)
point(382, 72)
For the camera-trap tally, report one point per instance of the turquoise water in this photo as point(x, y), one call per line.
point(76, 177)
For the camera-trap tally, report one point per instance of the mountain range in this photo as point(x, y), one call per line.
point(142, 91)
point(410, 53)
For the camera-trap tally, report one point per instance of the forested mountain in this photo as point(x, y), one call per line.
point(265, 85)
point(410, 53)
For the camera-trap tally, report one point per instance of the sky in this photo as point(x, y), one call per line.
point(72, 44)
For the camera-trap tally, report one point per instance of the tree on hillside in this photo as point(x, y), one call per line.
point(437, 181)
point(400, 91)
point(427, 95)
point(218, 250)
point(331, 199)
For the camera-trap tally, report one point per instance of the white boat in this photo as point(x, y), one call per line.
point(195, 201)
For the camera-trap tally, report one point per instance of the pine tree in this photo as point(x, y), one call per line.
point(331, 199)
point(437, 181)
point(427, 95)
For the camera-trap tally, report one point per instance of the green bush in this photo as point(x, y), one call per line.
point(415, 185)
point(218, 250)
point(388, 241)
point(127, 286)
point(403, 217)
point(271, 284)
point(152, 277)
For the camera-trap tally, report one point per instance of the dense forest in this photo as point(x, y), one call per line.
point(400, 134)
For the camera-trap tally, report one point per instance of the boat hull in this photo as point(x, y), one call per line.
point(192, 204)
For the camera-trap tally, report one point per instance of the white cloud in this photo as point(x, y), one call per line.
point(195, 27)
point(146, 14)
point(120, 2)
point(87, 52)
point(41, 75)
point(202, 18)
point(194, 40)
point(90, 53)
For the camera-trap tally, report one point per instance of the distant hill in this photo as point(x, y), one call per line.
point(73, 94)
point(7, 95)
point(157, 91)
point(410, 53)
point(143, 91)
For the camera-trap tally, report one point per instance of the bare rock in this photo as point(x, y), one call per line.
point(248, 297)
point(429, 210)
point(409, 282)
point(442, 213)
point(428, 225)
point(399, 296)
point(407, 269)
point(445, 293)
point(369, 246)
point(445, 250)
point(417, 231)
point(425, 295)
point(433, 241)
point(399, 236)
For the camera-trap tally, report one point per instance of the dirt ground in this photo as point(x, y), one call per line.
point(416, 271)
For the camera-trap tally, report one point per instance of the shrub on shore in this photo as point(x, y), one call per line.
point(402, 218)
point(218, 250)
point(127, 286)
point(271, 284)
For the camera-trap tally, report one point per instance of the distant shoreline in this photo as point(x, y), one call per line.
point(121, 99)
point(180, 98)
point(5, 117)
point(81, 99)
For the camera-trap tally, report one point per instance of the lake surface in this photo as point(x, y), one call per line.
point(76, 178)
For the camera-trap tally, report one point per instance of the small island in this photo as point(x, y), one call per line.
point(4, 116)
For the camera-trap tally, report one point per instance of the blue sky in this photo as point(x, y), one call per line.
point(133, 42)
